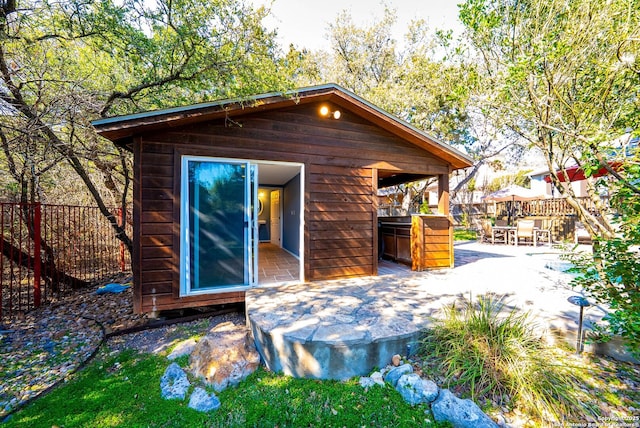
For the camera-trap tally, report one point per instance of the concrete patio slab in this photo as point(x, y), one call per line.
point(344, 328)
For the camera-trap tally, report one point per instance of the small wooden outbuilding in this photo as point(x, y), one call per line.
point(301, 170)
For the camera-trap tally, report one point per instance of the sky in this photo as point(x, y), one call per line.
point(305, 23)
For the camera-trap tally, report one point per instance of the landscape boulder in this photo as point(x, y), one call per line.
point(396, 373)
point(184, 347)
point(415, 390)
point(459, 413)
point(410, 388)
point(225, 356)
point(174, 383)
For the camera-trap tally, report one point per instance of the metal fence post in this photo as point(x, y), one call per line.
point(123, 264)
point(37, 256)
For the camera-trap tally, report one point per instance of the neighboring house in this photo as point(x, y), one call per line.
point(540, 185)
point(202, 174)
point(625, 146)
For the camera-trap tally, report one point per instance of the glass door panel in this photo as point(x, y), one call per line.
point(217, 233)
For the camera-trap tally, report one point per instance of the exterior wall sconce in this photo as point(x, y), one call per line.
point(325, 112)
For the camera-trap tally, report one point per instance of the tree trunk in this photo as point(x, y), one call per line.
point(52, 276)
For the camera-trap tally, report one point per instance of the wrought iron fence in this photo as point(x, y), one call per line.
point(48, 250)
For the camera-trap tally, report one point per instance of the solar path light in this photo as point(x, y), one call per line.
point(582, 302)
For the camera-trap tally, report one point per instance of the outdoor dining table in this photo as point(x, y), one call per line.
point(506, 229)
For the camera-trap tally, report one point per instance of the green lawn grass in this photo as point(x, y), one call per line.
point(464, 235)
point(123, 390)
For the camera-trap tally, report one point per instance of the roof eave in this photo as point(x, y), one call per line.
point(121, 129)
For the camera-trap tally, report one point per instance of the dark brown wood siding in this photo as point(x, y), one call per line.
point(341, 159)
point(340, 222)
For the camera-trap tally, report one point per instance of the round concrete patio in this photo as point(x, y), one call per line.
point(344, 328)
point(335, 329)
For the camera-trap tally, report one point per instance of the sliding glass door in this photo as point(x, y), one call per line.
point(217, 225)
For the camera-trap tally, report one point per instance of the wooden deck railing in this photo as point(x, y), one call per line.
point(547, 207)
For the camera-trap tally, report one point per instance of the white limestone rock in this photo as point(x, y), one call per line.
point(396, 372)
point(202, 401)
point(377, 378)
point(366, 382)
point(460, 413)
point(174, 384)
point(184, 347)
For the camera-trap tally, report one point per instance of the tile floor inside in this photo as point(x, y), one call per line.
point(275, 265)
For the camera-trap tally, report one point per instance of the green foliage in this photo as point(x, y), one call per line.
point(487, 350)
point(520, 178)
point(563, 74)
point(611, 275)
point(63, 64)
point(413, 82)
point(425, 208)
point(124, 390)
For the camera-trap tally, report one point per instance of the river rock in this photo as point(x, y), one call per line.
point(225, 356)
point(174, 383)
point(460, 413)
point(396, 360)
point(203, 402)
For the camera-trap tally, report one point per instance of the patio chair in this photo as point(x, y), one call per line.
point(542, 234)
point(524, 232)
point(491, 234)
point(486, 231)
point(581, 234)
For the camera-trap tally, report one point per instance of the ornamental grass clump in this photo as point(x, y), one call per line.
point(487, 351)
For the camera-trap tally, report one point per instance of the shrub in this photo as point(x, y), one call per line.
point(425, 208)
point(488, 351)
point(611, 275)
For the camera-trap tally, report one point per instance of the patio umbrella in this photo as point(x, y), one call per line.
point(512, 194)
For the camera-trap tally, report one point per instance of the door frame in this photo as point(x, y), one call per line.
point(252, 257)
point(301, 174)
point(250, 231)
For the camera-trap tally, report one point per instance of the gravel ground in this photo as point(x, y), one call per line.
point(46, 345)
point(42, 347)
point(159, 340)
